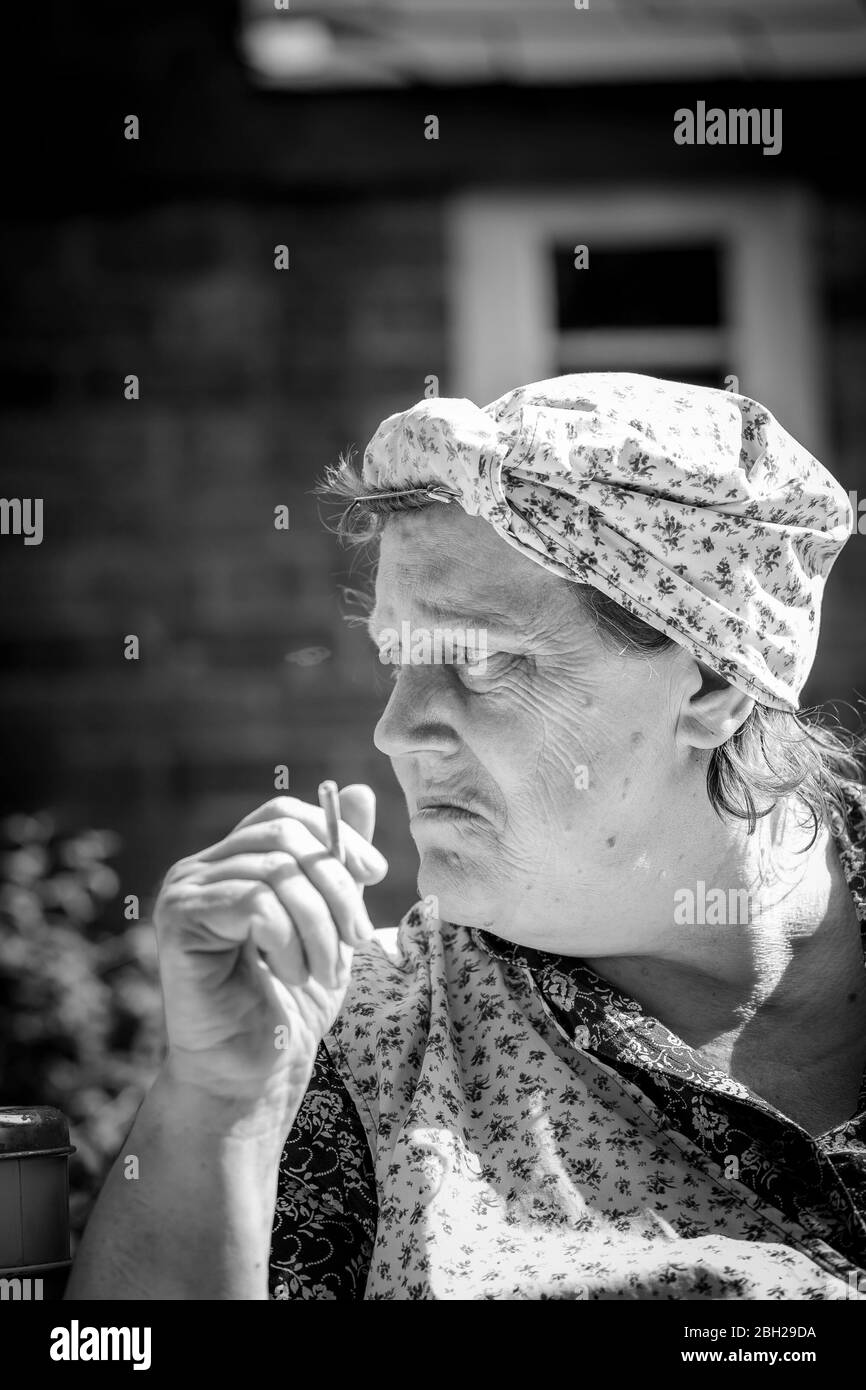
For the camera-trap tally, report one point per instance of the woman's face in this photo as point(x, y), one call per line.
point(564, 751)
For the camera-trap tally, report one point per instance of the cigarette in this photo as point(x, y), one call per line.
point(329, 800)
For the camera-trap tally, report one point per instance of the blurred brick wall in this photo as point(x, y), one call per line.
point(840, 670)
point(159, 512)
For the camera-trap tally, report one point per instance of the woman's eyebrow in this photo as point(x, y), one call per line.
point(445, 617)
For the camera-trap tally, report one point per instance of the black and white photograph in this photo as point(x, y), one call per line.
point(433, 695)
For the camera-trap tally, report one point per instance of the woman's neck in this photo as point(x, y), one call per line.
point(789, 967)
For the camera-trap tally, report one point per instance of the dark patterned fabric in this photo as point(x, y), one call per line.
point(327, 1211)
point(325, 1218)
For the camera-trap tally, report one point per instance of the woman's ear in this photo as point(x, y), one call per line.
point(712, 713)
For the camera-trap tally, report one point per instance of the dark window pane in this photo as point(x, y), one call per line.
point(653, 287)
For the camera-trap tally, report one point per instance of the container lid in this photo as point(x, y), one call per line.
point(25, 1128)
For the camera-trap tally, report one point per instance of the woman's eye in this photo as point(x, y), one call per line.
point(487, 668)
point(468, 667)
point(474, 667)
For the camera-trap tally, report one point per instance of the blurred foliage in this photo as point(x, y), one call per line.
point(80, 1002)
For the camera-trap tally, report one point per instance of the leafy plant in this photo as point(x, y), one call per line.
point(79, 994)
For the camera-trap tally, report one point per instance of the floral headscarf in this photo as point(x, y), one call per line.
point(690, 506)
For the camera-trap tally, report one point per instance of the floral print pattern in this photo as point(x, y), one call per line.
point(490, 1121)
point(690, 506)
point(325, 1218)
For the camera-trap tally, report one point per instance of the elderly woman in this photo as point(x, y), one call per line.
point(618, 1049)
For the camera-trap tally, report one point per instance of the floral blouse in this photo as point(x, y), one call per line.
point(490, 1121)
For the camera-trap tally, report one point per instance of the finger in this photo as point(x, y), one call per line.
point(313, 999)
point(309, 857)
point(364, 864)
point(227, 916)
point(275, 934)
point(255, 910)
point(212, 916)
point(362, 857)
point(314, 923)
point(358, 808)
point(231, 912)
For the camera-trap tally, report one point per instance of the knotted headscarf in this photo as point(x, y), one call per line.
point(690, 506)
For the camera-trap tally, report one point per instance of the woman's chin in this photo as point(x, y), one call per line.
point(455, 891)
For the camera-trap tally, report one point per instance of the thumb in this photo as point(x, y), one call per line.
point(358, 808)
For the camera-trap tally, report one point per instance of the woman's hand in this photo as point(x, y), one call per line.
point(256, 938)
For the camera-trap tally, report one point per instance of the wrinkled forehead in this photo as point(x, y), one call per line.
point(449, 564)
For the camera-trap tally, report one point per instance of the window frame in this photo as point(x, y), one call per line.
point(771, 324)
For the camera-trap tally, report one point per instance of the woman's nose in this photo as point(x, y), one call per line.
point(420, 713)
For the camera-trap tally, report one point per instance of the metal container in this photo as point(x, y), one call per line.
point(34, 1202)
